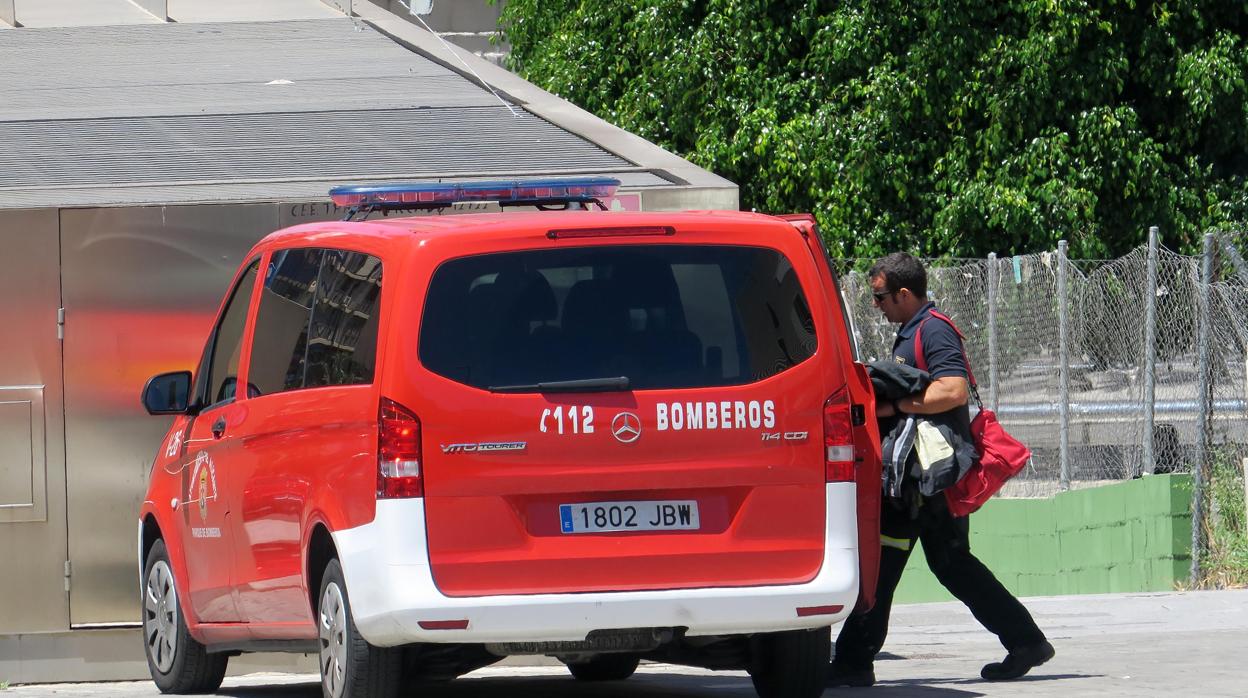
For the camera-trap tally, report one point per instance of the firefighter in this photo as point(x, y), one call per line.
point(899, 290)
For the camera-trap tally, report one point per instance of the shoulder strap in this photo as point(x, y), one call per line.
point(921, 361)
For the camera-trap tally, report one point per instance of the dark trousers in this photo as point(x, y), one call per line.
point(948, 551)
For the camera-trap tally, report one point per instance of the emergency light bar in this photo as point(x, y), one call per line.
point(433, 195)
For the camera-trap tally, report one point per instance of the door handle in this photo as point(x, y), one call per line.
point(858, 415)
point(218, 427)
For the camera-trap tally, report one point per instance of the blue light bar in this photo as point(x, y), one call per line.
point(442, 194)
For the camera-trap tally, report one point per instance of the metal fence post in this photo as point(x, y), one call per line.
point(1149, 464)
point(1200, 467)
point(1063, 362)
point(1245, 464)
point(993, 274)
point(1237, 262)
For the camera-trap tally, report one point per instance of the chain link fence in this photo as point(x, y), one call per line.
point(1106, 369)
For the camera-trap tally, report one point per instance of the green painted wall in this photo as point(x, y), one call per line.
point(1130, 536)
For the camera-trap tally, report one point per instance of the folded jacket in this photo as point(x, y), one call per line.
point(930, 453)
point(892, 380)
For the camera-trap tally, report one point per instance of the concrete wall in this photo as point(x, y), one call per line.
point(469, 24)
point(1126, 537)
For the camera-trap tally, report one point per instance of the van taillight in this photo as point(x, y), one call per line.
point(838, 438)
point(398, 452)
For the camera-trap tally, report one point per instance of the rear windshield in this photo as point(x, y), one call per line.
point(664, 316)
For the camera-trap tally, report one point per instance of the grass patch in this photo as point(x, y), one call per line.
point(1225, 563)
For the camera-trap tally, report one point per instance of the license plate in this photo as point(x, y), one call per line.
point(598, 517)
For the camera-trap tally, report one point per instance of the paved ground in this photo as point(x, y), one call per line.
point(1180, 644)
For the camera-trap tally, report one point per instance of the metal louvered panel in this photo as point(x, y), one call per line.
point(301, 145)
point(59, 13)
point(166, 69)
point(159, 100)
point(245, 111)
point(249, 10)
point(234, 191)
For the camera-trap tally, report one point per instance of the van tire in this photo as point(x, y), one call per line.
point(605, 667)
point(791, 664)
point(178, 663)
point(350, 666)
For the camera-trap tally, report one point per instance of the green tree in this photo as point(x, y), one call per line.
point(945, 127)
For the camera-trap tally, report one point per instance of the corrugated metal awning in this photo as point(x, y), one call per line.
point(146, 195)
point(295, 145)
point(230, 67)
point(216, 112)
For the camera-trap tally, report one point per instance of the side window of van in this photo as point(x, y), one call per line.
point(227, 345)
point(279, 350)
point(342, 346)
point(317, 323)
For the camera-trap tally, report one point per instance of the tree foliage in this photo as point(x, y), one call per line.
point(944, 127)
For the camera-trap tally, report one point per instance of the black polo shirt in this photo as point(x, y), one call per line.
point(943, 350)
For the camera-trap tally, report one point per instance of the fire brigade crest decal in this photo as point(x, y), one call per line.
point(202, 490)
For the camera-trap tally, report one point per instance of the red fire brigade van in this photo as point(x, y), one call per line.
point(416, 445)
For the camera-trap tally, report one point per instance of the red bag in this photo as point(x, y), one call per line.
point(1001, 456)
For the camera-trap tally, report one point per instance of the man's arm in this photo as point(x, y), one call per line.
point(942, 395)
point(947, 364)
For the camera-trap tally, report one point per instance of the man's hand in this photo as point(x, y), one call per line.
point(884, 408)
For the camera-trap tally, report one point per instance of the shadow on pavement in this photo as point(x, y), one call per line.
point(310, 690)
point(667, 685)
point(949, 687)
point(897, 689)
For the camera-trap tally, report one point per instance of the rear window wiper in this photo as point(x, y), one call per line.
point(585, 385)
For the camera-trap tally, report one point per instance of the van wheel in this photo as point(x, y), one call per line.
point(791, 664)
point(177, 662)
point(605, 667)
point(350, 667)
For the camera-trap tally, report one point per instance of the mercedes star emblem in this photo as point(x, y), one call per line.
point(626, 427)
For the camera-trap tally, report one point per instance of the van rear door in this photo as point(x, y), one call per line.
point(628, 416)
point(866, 432)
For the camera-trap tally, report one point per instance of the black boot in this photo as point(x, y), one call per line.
point(1018, 662)
point(854, 676)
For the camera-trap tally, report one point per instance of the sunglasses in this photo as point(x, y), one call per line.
point(881, 295)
